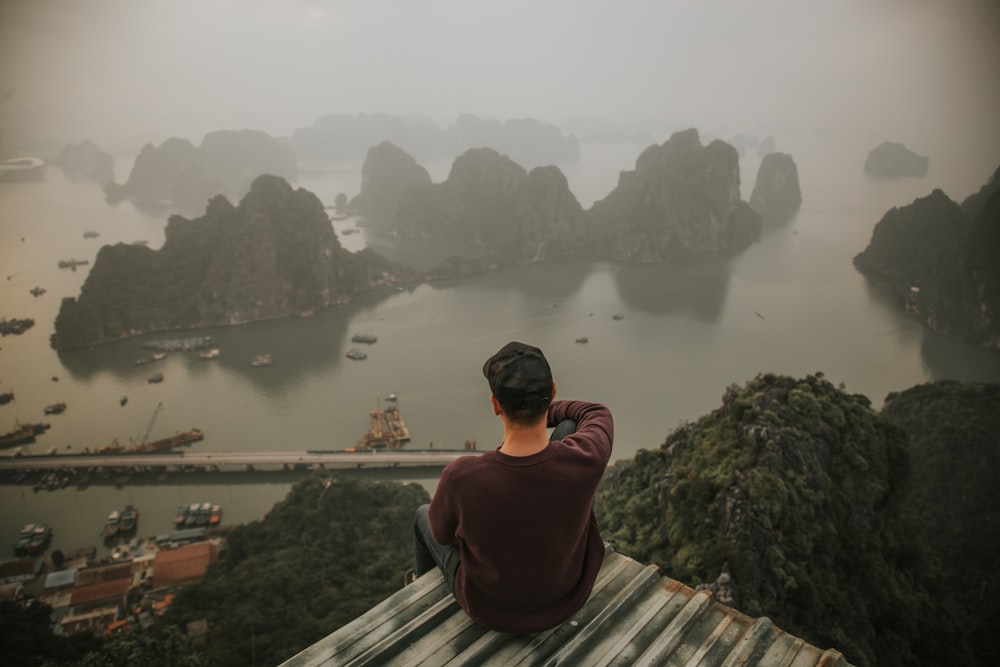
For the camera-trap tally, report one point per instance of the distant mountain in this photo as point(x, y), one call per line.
point(226, 162)
point(943, 264)
point(273, 255)
point(777, 184)
point(342, 137)
point(891, 160)
point(789, 501)
point(86, 161)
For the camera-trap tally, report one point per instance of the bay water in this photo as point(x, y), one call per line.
point(792, 304)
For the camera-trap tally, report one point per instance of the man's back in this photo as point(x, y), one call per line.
point(529, 543)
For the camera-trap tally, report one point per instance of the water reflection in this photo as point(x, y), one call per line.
point(948, 359)
point(298, 347)
point(694, 289)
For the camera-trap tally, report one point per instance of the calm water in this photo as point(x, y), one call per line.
point(792, 304)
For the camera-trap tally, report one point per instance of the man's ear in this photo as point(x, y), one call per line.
point(496, 405)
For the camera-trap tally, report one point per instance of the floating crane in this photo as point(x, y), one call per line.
point(156, 412)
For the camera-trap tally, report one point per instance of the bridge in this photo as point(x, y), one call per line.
point(237, 460)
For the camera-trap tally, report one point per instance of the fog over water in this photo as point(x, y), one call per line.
point(828, 80)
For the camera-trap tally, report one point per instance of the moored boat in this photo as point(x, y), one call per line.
point(32, 540)
point(129, 519)
point(155, 378)
point(216, 515)
point(356, 354)
point(112, 524)
point(181, 517)
point(210, 354)
point(55, 409)
point(367, 338)
point(260, 360)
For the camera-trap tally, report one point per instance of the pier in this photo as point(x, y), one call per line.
point(241, 461)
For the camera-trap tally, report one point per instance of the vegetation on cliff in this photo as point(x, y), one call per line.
point(940, 260)
point(273, 255)
point(792, 493)
point(954, 499)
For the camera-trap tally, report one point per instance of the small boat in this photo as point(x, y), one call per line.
point(55, 409)
point(582, 339)
point(129, 519)
point(260, 360)
point(123, 400)
point(215, 516)
point(112, 524)
point(156, 377)
point(192, 514)
point(157, 356)
point(37, 291)
point(32, 540)
point(6, 398)
point(356, 354)
point(210, 354)
point(91, 235)
point(367, 338)
point(618, 316)
point(181, 517)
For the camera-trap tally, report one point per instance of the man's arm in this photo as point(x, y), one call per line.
point(442, 515)
point(595, 428)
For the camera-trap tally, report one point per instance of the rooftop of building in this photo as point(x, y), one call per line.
point(183, 563)
point(634, 616)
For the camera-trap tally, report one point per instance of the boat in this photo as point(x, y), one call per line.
point(23, 434)
point(182, 438)
point(215, 516)
point(386, 428)
point(182, 515)
point(37, 291)
point(112, 525)
point(91, 235)
point(32, 540)
point(156, 377)
point(618, 316)
point(72, 263)
point(129, 519)
point(260, 360)
point(356, 354)
point(22, 169)
point(582, 339)
point(123, 400)
point(367, 338)
point(55, 409)
point(157, 356)
point(210, 354)
point(192, 515)
point(6, 398)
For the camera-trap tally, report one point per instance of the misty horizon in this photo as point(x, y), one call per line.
point(124, 74)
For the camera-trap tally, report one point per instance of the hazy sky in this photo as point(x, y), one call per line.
point(904, 68)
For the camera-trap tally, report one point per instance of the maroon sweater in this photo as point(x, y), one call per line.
point(525, 525)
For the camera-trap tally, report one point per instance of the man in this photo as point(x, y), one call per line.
point(513, 530)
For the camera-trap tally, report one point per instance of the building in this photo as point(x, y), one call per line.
point(184, 564)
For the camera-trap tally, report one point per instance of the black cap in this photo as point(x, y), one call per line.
point(519, 376)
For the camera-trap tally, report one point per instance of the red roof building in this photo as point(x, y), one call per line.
point(183, 564)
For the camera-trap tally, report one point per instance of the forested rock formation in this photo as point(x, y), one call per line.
point(273, 255)
point(86, 161)
point(891, 160)
point(954, 498)
point(777, 185)
point(343, 137)
point(682, 200)
point(388, 173)
point(226, 163)
point(942, 264)
point(792, 494)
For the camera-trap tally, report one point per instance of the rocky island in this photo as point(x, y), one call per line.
point(177, 172)
point(940, 260)
point(86, 161)
point(681, 201)
point(777, 185)
point(273, 255)
point(892, 160)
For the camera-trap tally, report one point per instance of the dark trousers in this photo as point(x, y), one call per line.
point(430, 554)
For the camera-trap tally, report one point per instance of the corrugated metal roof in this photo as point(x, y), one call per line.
point(635, 616)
